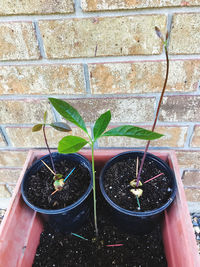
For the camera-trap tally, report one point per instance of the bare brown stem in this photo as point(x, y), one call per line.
point(157, 113)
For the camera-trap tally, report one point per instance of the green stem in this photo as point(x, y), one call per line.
point(94, 190)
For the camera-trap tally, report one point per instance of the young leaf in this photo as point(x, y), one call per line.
point(45, 117)
point(61, 126)
point(37, 128)
point(101, 124)
point(68, 112)
point(71, 144)
point(134, 132)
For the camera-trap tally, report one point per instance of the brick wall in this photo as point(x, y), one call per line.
point(47, 48)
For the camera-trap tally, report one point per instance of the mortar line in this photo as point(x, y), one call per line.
point(99, 96)
point(144, 123)
point(96, 60)
point(87, 79)
point(39, 39)
point(190, 133)
point(101, 13)
point(5, 136)
point(78, 10)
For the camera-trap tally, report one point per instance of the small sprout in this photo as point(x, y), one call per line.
point(133, 183)
point(60, 126)
point(137, 192)
point(57, 176)
point(58, 184)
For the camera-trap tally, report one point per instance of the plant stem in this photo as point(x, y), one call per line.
point(157, 112)
point(94, 190)
point(45, 138)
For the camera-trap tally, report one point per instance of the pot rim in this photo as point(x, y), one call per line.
point(70, 207)
point(138, 213)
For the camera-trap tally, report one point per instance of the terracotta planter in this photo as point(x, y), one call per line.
point(21, 227)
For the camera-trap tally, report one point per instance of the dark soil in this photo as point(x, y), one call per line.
point(60, 250)
point(40, 186)
point(117, 185)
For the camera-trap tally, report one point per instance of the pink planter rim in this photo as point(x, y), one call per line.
point(21, 227)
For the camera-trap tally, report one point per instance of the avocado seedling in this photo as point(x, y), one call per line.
point(59, 126)
point(164, 42)
point(72, 144)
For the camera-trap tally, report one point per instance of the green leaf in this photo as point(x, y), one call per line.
point(134, 132)
point(101, 124)
point(37, 127)
point(61, 126)
point(68, 112)
point(45, 117)
point(71, 144)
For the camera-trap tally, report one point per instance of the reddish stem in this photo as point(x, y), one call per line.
point(45, 138)
point(156, 117)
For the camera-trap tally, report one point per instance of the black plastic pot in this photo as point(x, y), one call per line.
point(135, 221)
point(71, 217)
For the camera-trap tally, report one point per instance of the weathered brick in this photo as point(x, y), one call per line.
point(10, 7)
point(185, 34)
point(42, 79)
point(24, 111)
point(143, 77)
point(100, 5)
point(18, 41)
point(9, 175)
point(124, 110)
point(113, 36)
point(180, 108)
point(173, 137)
point(12, 158)
point(192, 194)
point(2, 140)
point(24, 137)
point(195, 142)
point(188, 159)
point(191, 178)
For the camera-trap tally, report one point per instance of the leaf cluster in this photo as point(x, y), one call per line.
point(59, 126)
point(72, 144)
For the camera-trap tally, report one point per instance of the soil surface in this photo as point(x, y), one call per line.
point(155, 192)
point(40, 186)
point(60, 250)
